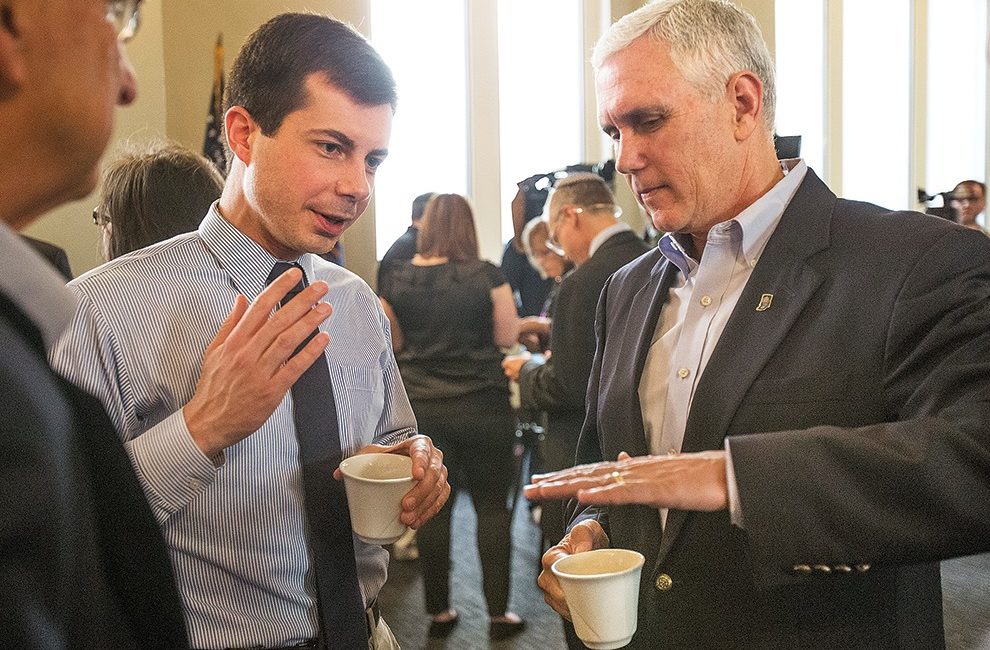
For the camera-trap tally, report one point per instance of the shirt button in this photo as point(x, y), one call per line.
point(664, 582)
point(706, 300)
point(683, 373)
point(195, 484)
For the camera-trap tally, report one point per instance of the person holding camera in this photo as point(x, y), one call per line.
point(968, 199)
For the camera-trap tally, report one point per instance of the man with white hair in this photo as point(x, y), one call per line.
point(795, 386)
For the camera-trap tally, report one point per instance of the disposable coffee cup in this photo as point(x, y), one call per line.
point(602, 592)
point(375, 485)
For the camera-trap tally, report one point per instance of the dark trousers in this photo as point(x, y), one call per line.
point(475, 433)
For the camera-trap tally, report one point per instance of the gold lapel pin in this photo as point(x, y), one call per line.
point(765, 301)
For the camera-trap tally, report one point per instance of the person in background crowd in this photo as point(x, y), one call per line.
point(55, 255)
point(534, 331)
point(404, 248)
point(83, 564)
point(528, 286)
point(969, 199)
point(152, 194)
point(450, 313)
point(789, 408)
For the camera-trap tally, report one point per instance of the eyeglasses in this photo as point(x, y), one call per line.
point(125, 16)
point(100, 218)
point(553, 222)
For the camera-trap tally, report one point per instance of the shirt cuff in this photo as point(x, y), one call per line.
point(172, 469)
point(735, 508)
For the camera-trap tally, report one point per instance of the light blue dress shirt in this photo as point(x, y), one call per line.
point(236, 533)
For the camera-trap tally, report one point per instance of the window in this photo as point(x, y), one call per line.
point(957, 69)
point(425, 45)
point(540, 91)
point(534, 52)
point(876, 102)
point(800, 47)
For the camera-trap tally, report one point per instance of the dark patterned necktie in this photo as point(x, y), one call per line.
point(342, 614)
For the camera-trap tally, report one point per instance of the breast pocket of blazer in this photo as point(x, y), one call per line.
point(360, 396)
point(801, 389)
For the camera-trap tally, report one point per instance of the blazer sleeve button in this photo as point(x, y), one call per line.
point(862, 568)
point(801, 568)
point(842, 568)
point(823, 568)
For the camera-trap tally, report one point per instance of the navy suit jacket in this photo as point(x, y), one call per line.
point(857, 408)
point(82, 562)
point(559, 385)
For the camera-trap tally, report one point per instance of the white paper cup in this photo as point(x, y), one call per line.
point(375, 485)
point(602, 592)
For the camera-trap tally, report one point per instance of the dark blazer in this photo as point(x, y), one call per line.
point(402, 250)
point(82, 564)
point(55, 256)
point(559, 385)
point(871, 368)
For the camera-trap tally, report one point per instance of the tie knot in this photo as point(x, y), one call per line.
point(278, 270)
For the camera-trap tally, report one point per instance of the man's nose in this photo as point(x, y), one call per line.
point(128, 80)
point(354, 182)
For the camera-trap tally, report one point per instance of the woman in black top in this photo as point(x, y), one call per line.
point(450, 313)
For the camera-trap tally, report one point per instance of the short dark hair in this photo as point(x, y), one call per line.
point(153, 194)
point(269, 75)
point(448, 230)
point(419, 205)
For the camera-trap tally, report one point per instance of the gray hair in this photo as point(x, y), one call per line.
point(582, 189)
point(709, 40)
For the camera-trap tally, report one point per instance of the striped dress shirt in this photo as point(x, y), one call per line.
point(236, 532)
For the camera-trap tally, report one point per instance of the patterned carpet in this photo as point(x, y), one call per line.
point(402, 597)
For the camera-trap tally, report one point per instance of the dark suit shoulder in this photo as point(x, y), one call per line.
point(617, 251)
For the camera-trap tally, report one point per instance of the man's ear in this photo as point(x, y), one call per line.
point(745, 90)
point(13, 67)
point(241, 131)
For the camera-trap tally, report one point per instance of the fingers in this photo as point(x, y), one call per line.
point(431, 490)
point(566, 483)
point(585, 536)
point(553, 594)
point(287, 373)
point(260, 310)
point(433, 503)
point(291, 324)
point(420, 449)
point(279, 350)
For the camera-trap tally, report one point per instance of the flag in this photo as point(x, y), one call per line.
point(213, 147)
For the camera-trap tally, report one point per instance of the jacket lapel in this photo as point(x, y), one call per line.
point(649, 301)
point(757, 324)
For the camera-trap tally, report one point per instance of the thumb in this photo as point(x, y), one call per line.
point(623, 456)
point(580, 540)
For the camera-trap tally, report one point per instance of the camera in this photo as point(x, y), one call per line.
point(945, 211)
point(536, 188)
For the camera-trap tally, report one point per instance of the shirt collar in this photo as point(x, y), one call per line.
point(34, 286)
point(246, 262)
point(603, 236)
point(758, 221)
